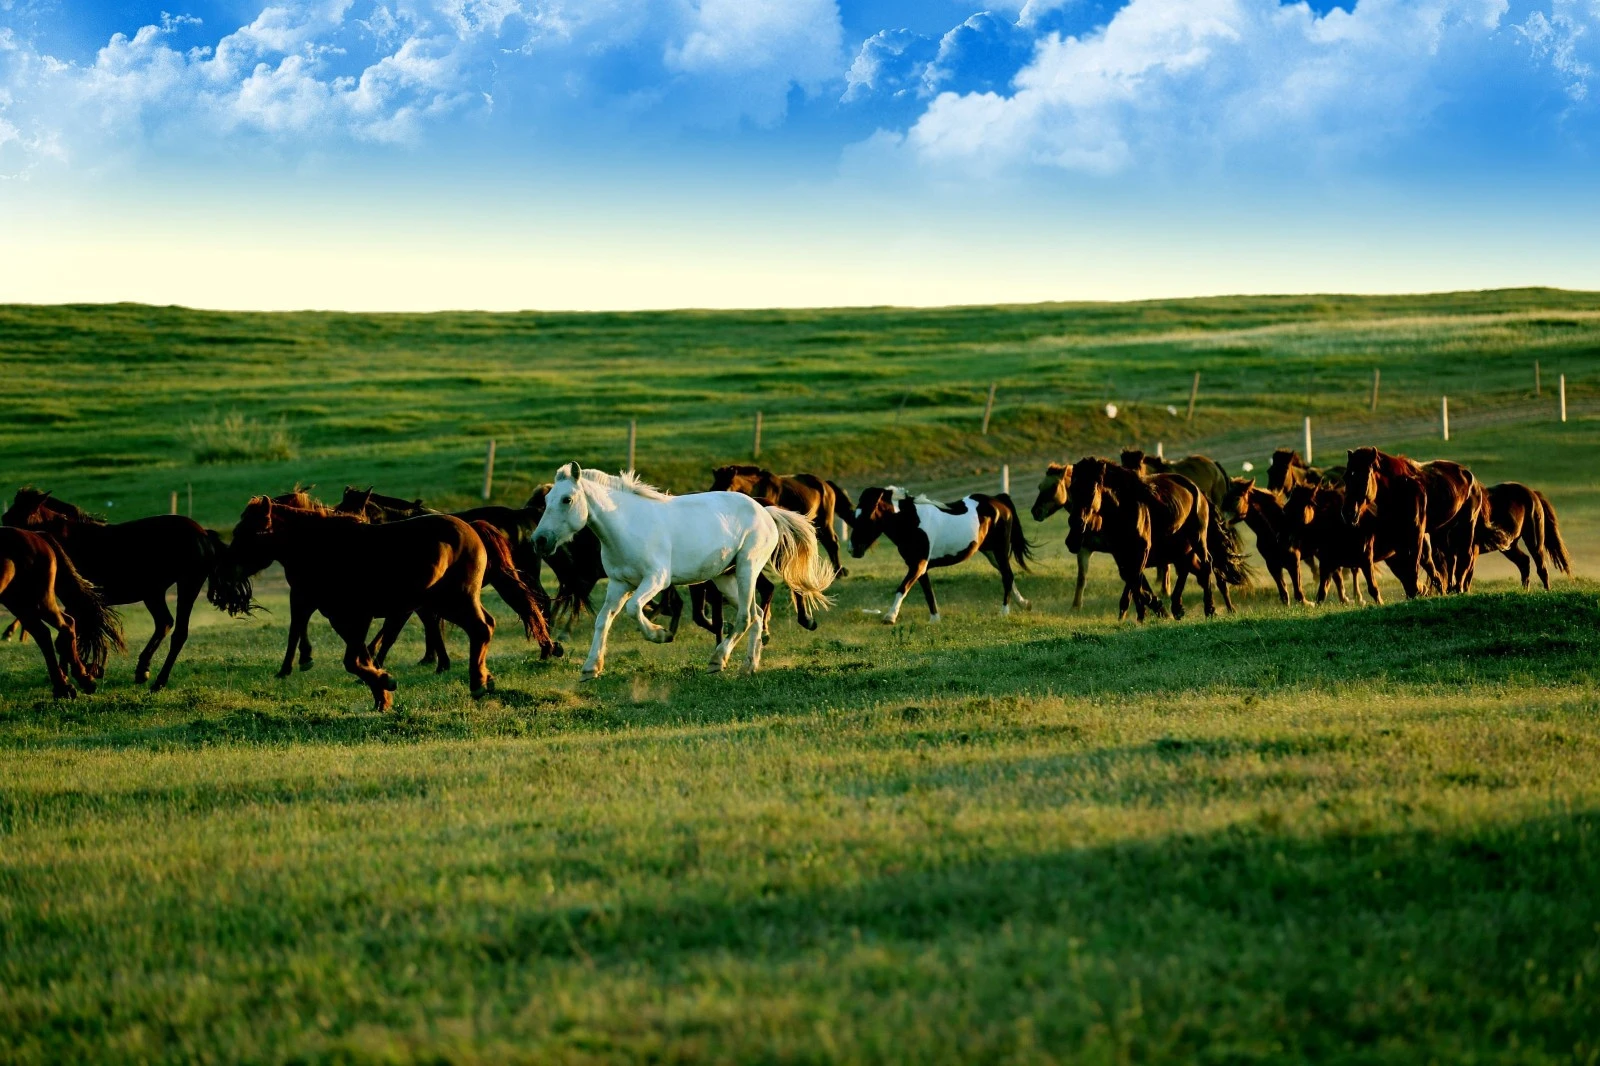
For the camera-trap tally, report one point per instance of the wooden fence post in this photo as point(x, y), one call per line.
point(755, 449)
point(1194, 392)
point(1444, 415)
point(1005, 478)
point(488, 470)
point(1536, 390)
point(174, 501)
point(1159, 453)
point(1374, 390)
point(190, 485)
point(1562, 384)
point(988, 406)
point(633, 441)
point(1308, 440)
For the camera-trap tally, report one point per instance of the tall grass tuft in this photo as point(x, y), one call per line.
point(237, 438)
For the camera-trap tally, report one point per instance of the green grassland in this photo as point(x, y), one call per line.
point(1332, 834)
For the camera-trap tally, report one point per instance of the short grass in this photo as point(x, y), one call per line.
point(1332, 834)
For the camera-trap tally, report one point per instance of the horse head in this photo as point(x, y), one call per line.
point(1236, 501)
point(1133, 459)
point(875, 509)
point(1085, 494)
point(1360, 484)
point(26, 508)
point(1283, 460)
point(738, 477)
point(566, 510)
point(1300, 508)
point(1052, 491)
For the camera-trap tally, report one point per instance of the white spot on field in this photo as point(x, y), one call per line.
point(1111, 410)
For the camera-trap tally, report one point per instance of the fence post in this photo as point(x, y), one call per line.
point(1536, 390)
point(174, 501)
point(1194, 392)
point(488, 470)
point(633, 441)
point(755, 449)
point(190, 486)
point(1562, 384)
point(1005, 478)
point(1159, 453)
point(1374, 390)
point(988, 406)
point(1444, 415)
point(1308, 439)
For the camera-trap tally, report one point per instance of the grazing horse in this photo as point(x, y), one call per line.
point(650, 541)
point(131, 562)
point(1453, 501)
point(353, 572)
point(1263, 512)
point(1515, 511)
point(41, 587)
point(1149, 521)
point(930, 535)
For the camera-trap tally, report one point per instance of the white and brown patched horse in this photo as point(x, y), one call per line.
point(650, 540)
point(930, 535)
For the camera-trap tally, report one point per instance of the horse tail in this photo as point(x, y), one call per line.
point(503, 577)
point(573, 589)
point(228, 587)
point(1552, 535)
point(844, 508)
point(98, 626)
point(1021, 550)
point(799, 560)
point(1226, 549)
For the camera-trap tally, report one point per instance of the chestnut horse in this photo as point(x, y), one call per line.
point(131, 562)
point(807, 494)
point(1453, 502)
point(1288, 470)
point(1052, 498)
point(354, 572)
point(1517, 512)
point(1263, 513)
point(1313, 515)
point(1148, 521)
point(1207, 474)
point(40, 586)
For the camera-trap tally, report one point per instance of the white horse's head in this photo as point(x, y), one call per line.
point(566, 510)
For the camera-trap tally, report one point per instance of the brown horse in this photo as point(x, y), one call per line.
point(1263, 513)
point(131, 562)
point(40, 586)
point(806, 494)
point(1052, 498)
point(1148, 521)
point(1515, 512)
point(1207, 474)
point(353, 572)
point(1288, 471)
point(1453, 501)
point(1313, 516)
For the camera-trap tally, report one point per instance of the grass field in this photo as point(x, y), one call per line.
point(1332, 834)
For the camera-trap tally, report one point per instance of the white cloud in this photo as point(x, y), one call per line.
point(1176, 83)
point(1563, 38)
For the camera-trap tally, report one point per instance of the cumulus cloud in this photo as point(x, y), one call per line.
point(1173, 82)
point(890, 63)
point(1562, 37)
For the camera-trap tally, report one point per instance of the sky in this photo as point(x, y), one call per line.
point(582, 154)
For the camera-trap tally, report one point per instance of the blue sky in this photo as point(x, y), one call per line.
point(625, 153)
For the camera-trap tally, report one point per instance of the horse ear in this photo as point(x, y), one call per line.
point(1250, 484)
point(571, 472)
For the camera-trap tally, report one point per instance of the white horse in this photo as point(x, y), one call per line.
point(650, 540)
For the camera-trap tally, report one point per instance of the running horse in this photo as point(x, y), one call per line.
point(1052, 498)
point(806, 494)
point(1150, 521)
point(353, 572)
point(1516, 512)
point(131, 562)
point(41, 587)
point(1453, 503)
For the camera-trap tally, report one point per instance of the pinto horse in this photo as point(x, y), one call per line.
point(41, 587)
point(650, 541)
point(131, 562)
point(1515, 512)
point(1150, 521)
point(353, 572)
point(930, 535)
point(1452, 504)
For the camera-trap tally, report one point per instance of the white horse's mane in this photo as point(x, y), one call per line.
point(627, 481)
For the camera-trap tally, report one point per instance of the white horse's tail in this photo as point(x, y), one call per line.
point(800, 561)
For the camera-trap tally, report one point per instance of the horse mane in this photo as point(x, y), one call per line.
point(1057, 470)
point(627, 481)
point(316, 510)
point(60, 508)
point(743, 468)
point(1291, 457)
point(1131, 485)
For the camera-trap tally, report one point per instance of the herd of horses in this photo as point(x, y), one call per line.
point(372, 557)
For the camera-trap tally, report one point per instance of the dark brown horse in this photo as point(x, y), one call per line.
point(131, 562)
point(1453, 502)
point(353, 572)
point(1314, 518)
point(1516, 512)
point(1148, 521)
point(1289, 470)
point(40, 586)
point(1207, 474)
point(1052, 498)
point(929, 535)
point(1263, 513)
point(806, 494)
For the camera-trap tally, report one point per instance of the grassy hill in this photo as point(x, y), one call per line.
point(1334, 834)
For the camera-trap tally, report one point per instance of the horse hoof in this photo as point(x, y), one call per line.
point(383, 701)
point(156, 687)
point(141, 676)
point(87, 684)
point(66, 692)
point(588, 675)
point(557, 651)
point(441, 668)
point(287, 671)
point(890, 621)
point(714, 667)
point(810, 624)
point(388, 683)
point(843, 572)
point(97, 671)
point(305, 664)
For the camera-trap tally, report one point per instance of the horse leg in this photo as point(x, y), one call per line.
point(157, 606)
point(1177, 591)
point(1524, 565)
point(1161, 572)
point(478, 625)
point(830, 544)
point(616, 595)
point(187, 593)
point(913, 573)
point(353, 631)
point(13, 630)
point(739, 590)
point(299, 619)
point(1206, 575)
point(1083, 576)
point(1001, 561)
point(1372, 584)
point(700, 599)
point(36, 628)
point(1324, 577)
point(764, 592)
point(1276, 570)
point(1294, 579)
point(1338, 584)
point(643, 593)
point(927, 592)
